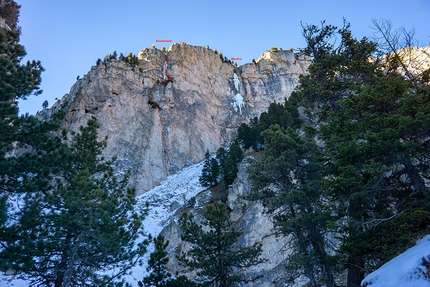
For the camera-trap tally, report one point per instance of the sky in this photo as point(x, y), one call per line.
point(69, 36)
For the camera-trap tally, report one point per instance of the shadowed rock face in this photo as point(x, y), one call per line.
point(247, 217)
point(196, 110)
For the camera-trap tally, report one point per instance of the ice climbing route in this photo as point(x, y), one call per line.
point(236, 82)
point(155, 105)
point(238, 102)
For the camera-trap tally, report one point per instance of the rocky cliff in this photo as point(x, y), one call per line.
point(246, 216)
point(199, 108)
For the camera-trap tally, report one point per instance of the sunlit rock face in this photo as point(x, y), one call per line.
point(199, 110)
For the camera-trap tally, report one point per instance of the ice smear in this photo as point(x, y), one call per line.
point(236, 81)
point(238, 103)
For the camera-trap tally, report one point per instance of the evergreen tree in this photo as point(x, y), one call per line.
point(210, 171)
point(82, 231)
point(228, 161)
point(157, 265)
point(372, 117)
point(248, 136)
point(288, 180)
point(285, 116)
point(235, 152)
point(214, 254)
point(19, 135)
point(159, 276)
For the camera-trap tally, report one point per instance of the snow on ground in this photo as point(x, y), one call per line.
point(164, 200)
point(168, 197)
point(405, 270)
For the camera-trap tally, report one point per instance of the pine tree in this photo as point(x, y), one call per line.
point(372, 117)
point(285, 116)
point(214, 254)
point(157, 265)
point(289, 182)
point(228, 161)
point(210, 171)
point(82, 231)
point(235, 152)
point(23, 134)
point(248, 136)
point(159, 276)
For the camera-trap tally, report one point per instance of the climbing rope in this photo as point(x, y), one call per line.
point(154, 104)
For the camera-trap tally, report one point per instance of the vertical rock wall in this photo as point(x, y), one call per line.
point(196, 108)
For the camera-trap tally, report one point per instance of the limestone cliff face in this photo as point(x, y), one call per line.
point(199, 110)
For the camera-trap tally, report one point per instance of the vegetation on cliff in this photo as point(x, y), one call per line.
point(357, 167)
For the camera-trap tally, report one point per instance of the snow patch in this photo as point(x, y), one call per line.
point(164, 201)
point(406, 270)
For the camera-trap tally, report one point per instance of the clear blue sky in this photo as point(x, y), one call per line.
point(68, 36)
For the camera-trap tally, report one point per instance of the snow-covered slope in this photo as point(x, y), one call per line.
point(409, 269)
point(164, 201)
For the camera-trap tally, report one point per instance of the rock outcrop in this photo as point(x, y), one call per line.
point(249, 218)
point(199, 110)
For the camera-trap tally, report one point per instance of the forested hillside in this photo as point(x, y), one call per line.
point(350, 183)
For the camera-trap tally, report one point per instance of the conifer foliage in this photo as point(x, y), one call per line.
point(157, 265)
point(223, 167)
point(288, 180)
point(357, 164)
point(210, 172)
point(159, 276)
point(214, 254)
point(83, 230)
point(285, 115)
point(373, 115)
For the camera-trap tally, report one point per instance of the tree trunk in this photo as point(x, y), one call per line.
point(355, 263)
point(355, 274)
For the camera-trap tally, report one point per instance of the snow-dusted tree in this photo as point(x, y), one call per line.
point(84, 230)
